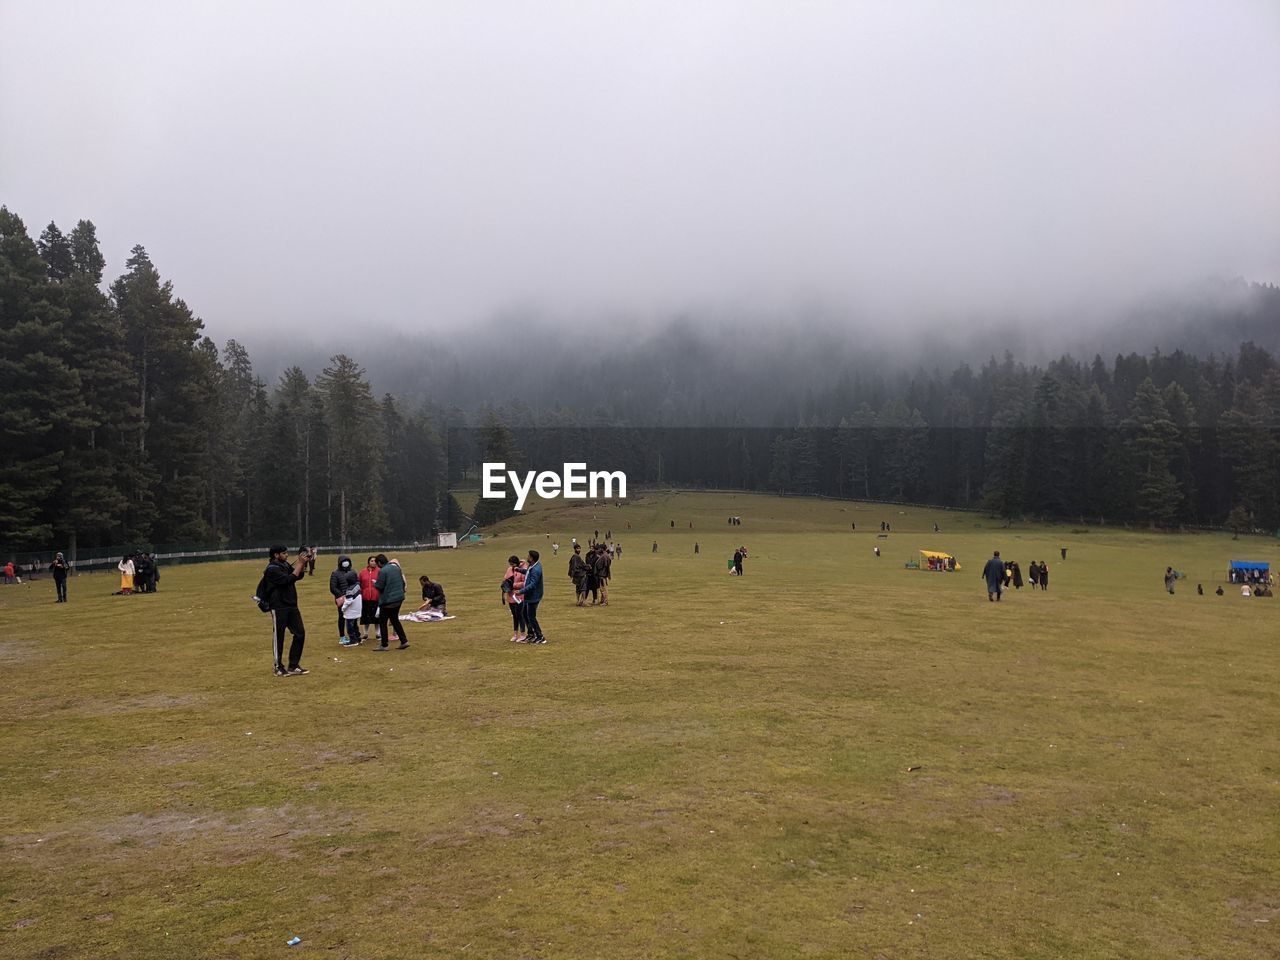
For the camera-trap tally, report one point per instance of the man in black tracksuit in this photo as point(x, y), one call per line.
point(280, 581)
point(343, 578)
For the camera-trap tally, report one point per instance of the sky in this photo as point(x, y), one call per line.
point(315, 168)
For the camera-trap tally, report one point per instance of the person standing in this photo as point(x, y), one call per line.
point(390, 584)
point(512, 581)
point(737, 562)
point(1064, 553)
point(127, 571)
point(655, 547)
point(592, 583)
point(311, 564)
point(343, 578)
point(604, 571)
point(1034, 572)
point(1044, 575)
point(60, 568)
point(1170, 580)
point(532, 593)
point(578, 574)
point(351, 607)
point(369, 600)
point(993, 573)
point(141, 573)
point(695, 548)
point(280, 581)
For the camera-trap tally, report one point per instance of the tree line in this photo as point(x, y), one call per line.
point(123, 423)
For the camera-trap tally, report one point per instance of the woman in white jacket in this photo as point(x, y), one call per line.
point(126, 569)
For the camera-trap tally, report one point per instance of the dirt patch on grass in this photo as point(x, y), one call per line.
point(154, 701)
point(1250, 913)
point(102, 707)
point(325, 757)
point(255, 823)
point(238, 836)
point(992, 796)
point(18, 651)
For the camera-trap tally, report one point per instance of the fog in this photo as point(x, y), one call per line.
point(334, 172)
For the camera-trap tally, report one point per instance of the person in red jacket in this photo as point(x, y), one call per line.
point(369, 596)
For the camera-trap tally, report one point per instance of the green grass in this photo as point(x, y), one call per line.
point(709, 767)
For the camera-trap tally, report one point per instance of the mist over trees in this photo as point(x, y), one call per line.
point(124, 423)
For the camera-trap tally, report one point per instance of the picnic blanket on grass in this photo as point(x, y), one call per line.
point(424, 617)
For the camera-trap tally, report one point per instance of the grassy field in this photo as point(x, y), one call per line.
point(830, 757)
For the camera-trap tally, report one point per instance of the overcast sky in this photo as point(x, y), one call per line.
point(294, 165)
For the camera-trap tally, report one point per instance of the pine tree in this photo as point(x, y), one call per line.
point(174, 382)
point(91, 503)
point(55, 251)
point(1004, 489)
point(1154, 437)
point(352, 466)
point(499, 447)
point(40, 391)
point(1184, 445)
point(87, 259)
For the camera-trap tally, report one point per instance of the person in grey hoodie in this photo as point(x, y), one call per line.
point(343, 578)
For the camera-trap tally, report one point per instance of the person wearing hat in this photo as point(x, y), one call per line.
point(993, 573)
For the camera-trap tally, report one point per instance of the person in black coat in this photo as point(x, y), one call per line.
point(60, 568)
point(578, 574)
point(343, 578)
point(433, 594)
point(993, 573)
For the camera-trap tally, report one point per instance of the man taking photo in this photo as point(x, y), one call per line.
point(280, 580)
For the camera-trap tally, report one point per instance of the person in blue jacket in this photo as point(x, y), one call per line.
point(993, 573)
point(532, 593)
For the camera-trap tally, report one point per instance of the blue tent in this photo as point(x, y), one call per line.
point(1248, 571)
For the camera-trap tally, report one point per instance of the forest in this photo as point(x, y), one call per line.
point(126, 424)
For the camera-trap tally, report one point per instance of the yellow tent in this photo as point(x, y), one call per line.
point(946, 558)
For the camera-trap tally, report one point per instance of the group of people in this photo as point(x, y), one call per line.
point(1038, 574)
point(1260, 587)
point(1253, 577)
point(368, 598)
point(521, 594)
point(60, 568)
point(591, 573)
point(1000, 574)
point(13, 572)
point(139, 573)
